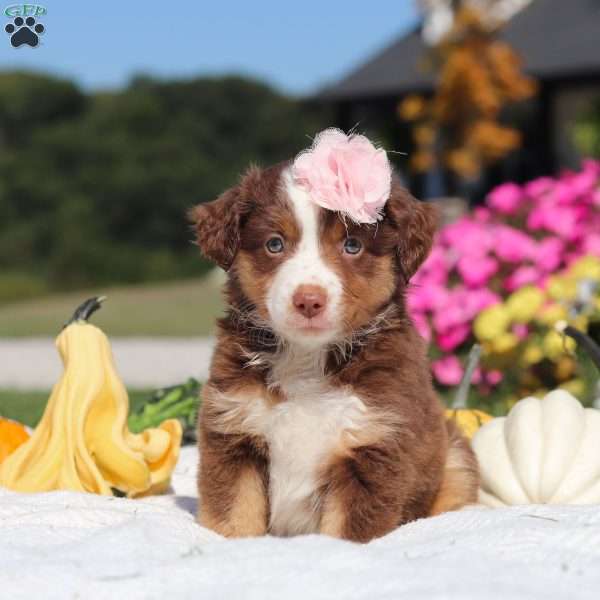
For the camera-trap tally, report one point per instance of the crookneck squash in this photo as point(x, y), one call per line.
point(82, 441)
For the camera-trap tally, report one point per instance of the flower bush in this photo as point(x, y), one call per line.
point(503, 276)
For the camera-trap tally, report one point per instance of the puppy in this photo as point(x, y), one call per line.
point(319, 415)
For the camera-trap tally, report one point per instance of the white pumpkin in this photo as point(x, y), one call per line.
point(544, 452)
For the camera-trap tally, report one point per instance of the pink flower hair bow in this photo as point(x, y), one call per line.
point(345, 173)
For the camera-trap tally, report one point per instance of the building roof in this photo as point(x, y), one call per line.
point(557, 39)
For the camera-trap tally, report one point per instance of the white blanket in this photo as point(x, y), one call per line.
point(70, 545)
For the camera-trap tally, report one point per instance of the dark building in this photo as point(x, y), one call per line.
point(559, 41)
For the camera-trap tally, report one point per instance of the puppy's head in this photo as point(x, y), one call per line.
point(311, 275)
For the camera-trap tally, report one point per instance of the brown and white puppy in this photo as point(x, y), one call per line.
point(319, 414)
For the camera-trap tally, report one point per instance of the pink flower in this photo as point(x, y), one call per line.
point(481, 214)
point(447, 370)
point(467, 236)
point(591, 244)
point(537, 188)
point(345, 173)
point(513, 245)
point(476, 270)
point(426, 297)
point(520, 277)
point(477, 300)
point(494, 377)
point(520, 330)
point(564, 221)
point(506, 198)
point(434, 269)
point(549, 254)
point(422, 326)
point(453, 337)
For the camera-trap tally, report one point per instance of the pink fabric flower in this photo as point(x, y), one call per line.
point(447, 370)
point(506, 198)
point(345, 173)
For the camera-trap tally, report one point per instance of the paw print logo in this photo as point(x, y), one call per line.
point(24, 32)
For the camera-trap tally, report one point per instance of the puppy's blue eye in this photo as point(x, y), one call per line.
point(275, 245)
point(352, 246)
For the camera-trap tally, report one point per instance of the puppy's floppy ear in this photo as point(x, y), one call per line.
point(416, 223)
point(217, 226)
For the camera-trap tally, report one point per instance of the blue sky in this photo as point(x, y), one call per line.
point(296, 46)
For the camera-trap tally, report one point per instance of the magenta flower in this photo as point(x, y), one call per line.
point(591, 244)
point(447, 370)
point(522, 276)
point(520, 330)
point(539, 187)
point(453, 337)
point(426, 297)
point(422, 325)
point(549, 253)
point(506, 198)
point(466, 236)
point(513, 245)
point(494, 377)
point(561, 220)
point(521, 237)
point(477, 300)
point(476, 271)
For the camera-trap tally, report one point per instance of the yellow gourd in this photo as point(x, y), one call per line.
point(12, 435)
point(82, 442)
point(469, 420)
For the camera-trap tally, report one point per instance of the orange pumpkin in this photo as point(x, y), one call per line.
point(12, 435)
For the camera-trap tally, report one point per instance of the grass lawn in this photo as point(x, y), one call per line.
point(181, 309)
point(27, 407)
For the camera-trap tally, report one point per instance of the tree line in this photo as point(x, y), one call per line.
point(94, 187)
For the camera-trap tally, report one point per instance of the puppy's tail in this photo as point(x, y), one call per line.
point(460, 481)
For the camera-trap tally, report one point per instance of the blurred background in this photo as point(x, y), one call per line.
point(126, 114)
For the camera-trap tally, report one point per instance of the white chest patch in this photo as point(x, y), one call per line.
point(301, 433)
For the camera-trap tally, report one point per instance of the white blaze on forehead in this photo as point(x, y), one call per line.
point(304, 267)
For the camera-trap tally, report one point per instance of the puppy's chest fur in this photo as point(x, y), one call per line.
point(302, 432)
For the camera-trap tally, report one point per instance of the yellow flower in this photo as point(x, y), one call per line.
point(491, 323)
point(523, 304)
point(564, 368)
point(505, 343)
point(556, 345)
point(575, 387)
point(586, 267)
point(532, 354)
point(581, 322)
point(551, 314)
point(562, 288)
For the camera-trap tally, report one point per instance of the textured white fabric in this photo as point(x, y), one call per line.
point(69, 545)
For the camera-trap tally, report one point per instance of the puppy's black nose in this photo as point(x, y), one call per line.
point(310, 300)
